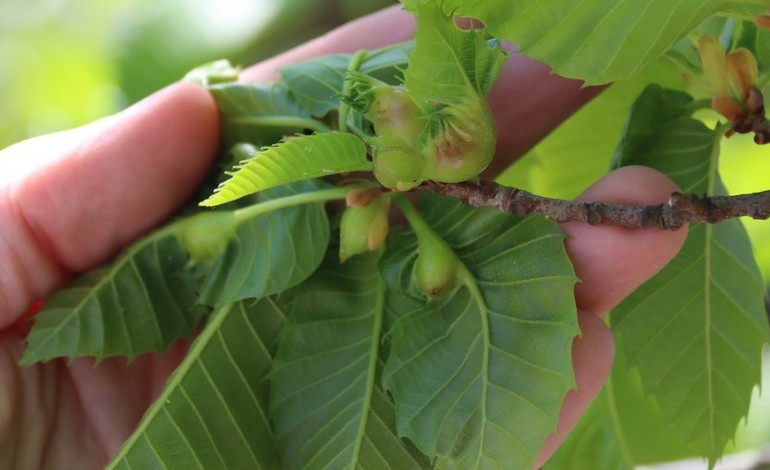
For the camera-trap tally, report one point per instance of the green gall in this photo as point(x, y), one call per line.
point(205, 235)
point(364, 228)
point(396, 118)
point(461, 142)
point(398, 168)
point(436, 268)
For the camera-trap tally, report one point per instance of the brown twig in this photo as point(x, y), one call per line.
point(671, 215)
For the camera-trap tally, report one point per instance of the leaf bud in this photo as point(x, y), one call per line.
point(727, 108)
point(762, 21)
point(436, 268)
point(205, 235)
point(361, 197)
point(712, 56)
point(742, 71)
point(364, 228)
point(398, 168)
point(755, 101)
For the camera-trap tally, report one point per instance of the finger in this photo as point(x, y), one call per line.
point(389, 26)
point(70, 200)
point(611, 262)
point(592, 355)
point(528, 101)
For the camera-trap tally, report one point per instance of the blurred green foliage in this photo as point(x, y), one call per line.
point(67, 62)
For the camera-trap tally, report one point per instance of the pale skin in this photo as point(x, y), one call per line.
point(71, 200)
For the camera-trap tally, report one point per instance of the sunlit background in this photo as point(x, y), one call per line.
point(67, 62)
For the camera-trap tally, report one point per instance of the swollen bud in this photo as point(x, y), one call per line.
point(461, 142)
point(364, 228)
point(396, 118)
point(436, 268)
point(398, 168)
point(205, 235)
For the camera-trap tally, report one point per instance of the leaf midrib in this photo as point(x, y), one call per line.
point(470, 282)
point(707, 255)
point(621, 439)
point(374, 351)
point(174, 383)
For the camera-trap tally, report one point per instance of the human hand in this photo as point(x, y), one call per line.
point(70, 201)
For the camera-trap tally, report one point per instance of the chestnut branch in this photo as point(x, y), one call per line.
point(680, 209)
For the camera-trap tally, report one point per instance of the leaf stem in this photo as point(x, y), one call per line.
point(697, 105)
point(612, 408)
point(469, 281)
point(421, 228)
point(324, 195)
point(409, 212)
point(344, 109)
point(283, 121)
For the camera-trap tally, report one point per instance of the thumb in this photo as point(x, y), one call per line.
point(70, 200)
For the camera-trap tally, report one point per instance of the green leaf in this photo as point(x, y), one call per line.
point(697, 329)
point(295, 159)
point(212, 412)
point(466, 372)
point(448, 63)
point(756, 40)
point(656, 105)
point(599, 41)
point(276, 245)
point(260, 113)
point(318, 83)
point(140, 302)
point(696, 332)
point(327, 406)
point(381, 447)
